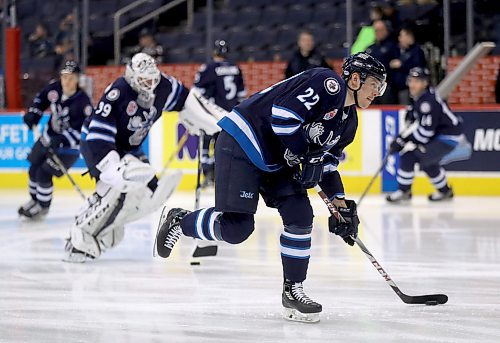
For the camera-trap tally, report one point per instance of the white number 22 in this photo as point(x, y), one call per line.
point(309, 98)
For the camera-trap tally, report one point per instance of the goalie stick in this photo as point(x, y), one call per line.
point(431, 299)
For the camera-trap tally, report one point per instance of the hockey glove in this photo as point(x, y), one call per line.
point(348, 229)
point(31, 119)
point(312, 169)
point(397, 145)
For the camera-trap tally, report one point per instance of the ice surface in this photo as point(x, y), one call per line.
point(128, 296)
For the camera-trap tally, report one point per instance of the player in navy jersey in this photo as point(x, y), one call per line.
point(278, 143)
point(221, 81)
point(434, 131)
point(69, 105)
point(127, 187)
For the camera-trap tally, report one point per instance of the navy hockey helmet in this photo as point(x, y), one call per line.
point(70, 67)
point(221, 48)
point(365, 65)
point(420, 73)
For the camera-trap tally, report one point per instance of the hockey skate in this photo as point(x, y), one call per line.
point(26, 207)
point(169, 230)
point(36, 212)
point(298, 306)
point(399, 197)
point(441, 196)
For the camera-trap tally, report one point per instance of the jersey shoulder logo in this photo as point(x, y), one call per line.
point(132, 108)
point(113, 94)
point(425, 107)
point(53, 96)
point(332, 86)
point(330, 115)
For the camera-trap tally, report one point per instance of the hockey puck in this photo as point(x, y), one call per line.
point(196, 263)
point(431, 303)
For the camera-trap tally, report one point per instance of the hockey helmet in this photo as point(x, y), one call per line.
point(420, 73)
point(221, 48)
point(365, 65)
point(142, 73)
point(70, 67)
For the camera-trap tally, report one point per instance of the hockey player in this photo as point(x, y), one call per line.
point(435, 130)
point(69, 105)
point(126, 187)
point(222, 82)
point(306, 120)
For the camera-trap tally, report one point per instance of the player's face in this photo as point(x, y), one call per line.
point(371, 89)
point(69, 83)
point(416, 86)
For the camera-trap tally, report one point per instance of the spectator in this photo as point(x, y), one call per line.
point(148, 45)
point(390, 14)
point(410, 56)
point(384, 50)
point(39, 45)
point(306, 56)
point(366, 35)
point(64, 48)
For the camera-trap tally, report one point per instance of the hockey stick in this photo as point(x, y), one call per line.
point(370, 184)
point(180, 145)
point(201, 251)
point(65, 171)
point(36, 136)
point(431, 299)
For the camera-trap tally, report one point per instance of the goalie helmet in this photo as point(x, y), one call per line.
point(142, 73)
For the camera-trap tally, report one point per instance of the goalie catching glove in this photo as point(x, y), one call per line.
point(347, 229)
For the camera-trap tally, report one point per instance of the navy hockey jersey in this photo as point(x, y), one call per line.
point(122, 120)
point(222, 83)
point(67, 114)
point(303, 113)
point(430, 117)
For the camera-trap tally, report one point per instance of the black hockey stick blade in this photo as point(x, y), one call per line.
point(431, 299)
point(210, 250)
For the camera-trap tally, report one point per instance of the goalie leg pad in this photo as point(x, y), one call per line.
point(199, 114)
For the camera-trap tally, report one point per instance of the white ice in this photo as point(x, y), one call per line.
point(129, 296)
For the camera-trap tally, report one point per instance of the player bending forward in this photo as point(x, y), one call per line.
point(69, 105)
point(279, 143)
point(435, 130)
point(126, 187)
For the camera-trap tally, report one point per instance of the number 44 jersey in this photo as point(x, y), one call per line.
point(303, 113)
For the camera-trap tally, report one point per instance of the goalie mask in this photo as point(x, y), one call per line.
point(142, 73)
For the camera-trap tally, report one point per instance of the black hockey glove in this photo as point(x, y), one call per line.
point(31, 119)
point(397, 145)
point(312, 169)
point(348, 229)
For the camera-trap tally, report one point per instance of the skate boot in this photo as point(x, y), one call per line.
point(441, 196)
point(298, 306)
point(169, 230)
point(36, 212)
point(399, 196)
point(25, 207)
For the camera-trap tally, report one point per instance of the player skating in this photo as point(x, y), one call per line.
point(69, 106)
point(434, 131)
point(221, 81)
point(127, 187)
point(279, 143)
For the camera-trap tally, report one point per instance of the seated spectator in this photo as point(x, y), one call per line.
point(411, 55)
point(385, 50)
point(306, 57)
point(39, 44)
point(148, 45)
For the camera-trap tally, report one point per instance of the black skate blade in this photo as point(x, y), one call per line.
point(205, 251)
point(426, 299)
